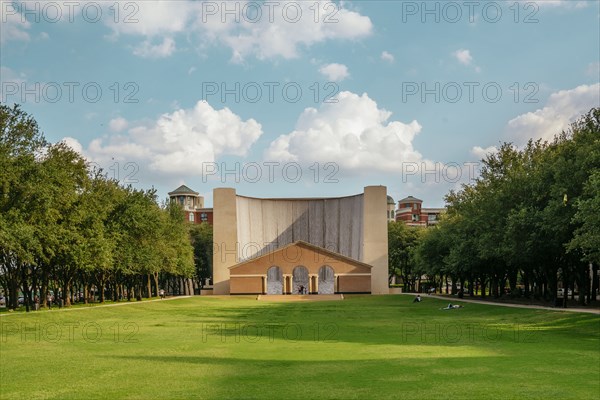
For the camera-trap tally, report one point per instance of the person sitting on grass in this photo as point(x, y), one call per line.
point(451, 306)
point(417, 299)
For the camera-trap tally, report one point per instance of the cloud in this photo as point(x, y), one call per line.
point(559, 3)
point(385, 56)
point(13, 26)
point(9, 75)
point(152, 19)
point(162, 50)
point(281, 29)
point(481, 153)
point(561, 109)
point(73, 144)
point(335, 72)
point(177, 144)
point(463, 56)
point(354, 133)
point(118, 124)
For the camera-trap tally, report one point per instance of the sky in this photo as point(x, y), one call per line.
point(299, 98)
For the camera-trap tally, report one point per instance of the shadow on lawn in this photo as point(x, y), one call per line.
point(386, 320)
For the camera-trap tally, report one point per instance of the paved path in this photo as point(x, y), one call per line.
point(92, 307)
point(491, 303)
point(300, 297)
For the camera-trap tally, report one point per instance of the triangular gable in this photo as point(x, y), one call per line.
point(308, 246)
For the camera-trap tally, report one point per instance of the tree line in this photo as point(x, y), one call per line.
point(69, 230)
point(529, 225)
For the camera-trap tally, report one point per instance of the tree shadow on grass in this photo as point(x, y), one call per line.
point(373, 320)
point(482, 376)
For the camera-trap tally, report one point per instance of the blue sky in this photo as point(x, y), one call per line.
point(405, 94)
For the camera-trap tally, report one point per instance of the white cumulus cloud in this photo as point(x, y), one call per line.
point(73, 144)
point(354, 133)
point(481, 153)
point(13, 25)
point(178, 143)
point(463, 56)
point(334, 72)
point(389, 57)
point(561, 109)
point(148, 50)
point(280, 29)
point(118, 124)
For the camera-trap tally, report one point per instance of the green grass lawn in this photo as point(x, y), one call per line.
point(362, 347)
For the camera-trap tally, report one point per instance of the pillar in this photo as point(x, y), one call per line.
point(375, 237)
point(224, 237)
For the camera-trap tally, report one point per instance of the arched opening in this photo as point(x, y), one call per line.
point(300, 280)
point(326, 280)
point(274, 281)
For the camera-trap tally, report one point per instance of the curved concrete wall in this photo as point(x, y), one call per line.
point(264, 225)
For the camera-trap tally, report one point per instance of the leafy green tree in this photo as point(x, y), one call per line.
point(402, 242)
point(202, 242)
point(21, 142)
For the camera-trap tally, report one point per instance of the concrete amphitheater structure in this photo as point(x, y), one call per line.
point(300, 245)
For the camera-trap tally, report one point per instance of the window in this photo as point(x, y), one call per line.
point(415, 217)
point(432, 217)
point(414, 206)
point(191, 217)
point(203, 217)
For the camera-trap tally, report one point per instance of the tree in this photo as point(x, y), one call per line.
point(66, 227)
point(530, 219)
point(202, 242)
point(402, 241)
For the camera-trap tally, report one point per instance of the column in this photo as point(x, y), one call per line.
point(375, 239)
point(224, 237)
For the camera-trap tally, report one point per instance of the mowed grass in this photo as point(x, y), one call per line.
point(362, 347)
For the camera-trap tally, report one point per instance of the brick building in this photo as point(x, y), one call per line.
point(411, 212)
point(193, 205)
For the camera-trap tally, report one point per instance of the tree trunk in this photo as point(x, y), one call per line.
point(25, 288)
point(148, 286)
point(44, 290)
point(65, 294)
point(85, 293)
point(595, 282)
point(156, 282)
point(101, 288)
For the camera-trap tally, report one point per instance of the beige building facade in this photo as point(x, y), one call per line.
point(300, 245)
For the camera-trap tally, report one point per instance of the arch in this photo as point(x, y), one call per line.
point(326, 280)
point(274, 280)
point(300, 280)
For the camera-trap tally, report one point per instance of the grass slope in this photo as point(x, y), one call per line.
point(362, 347)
